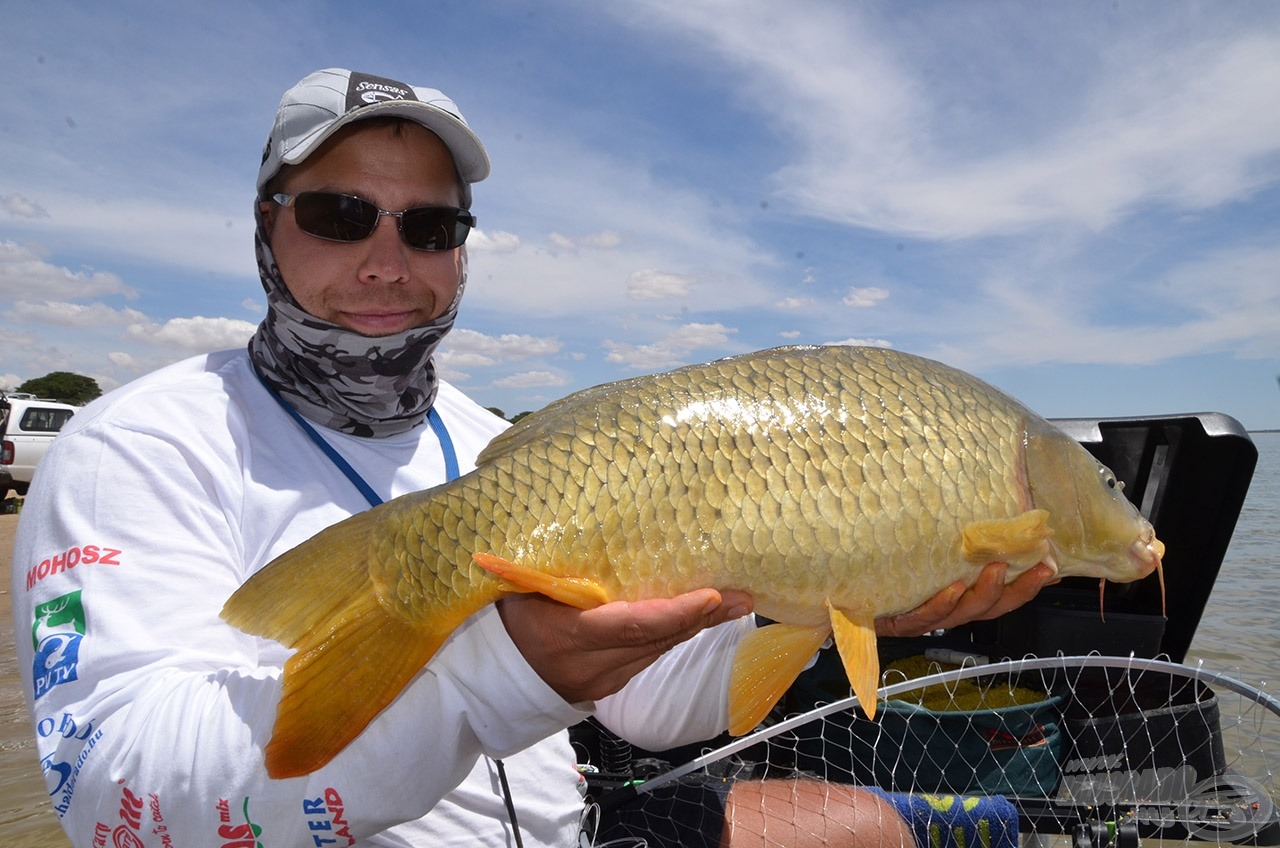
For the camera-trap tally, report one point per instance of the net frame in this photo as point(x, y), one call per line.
point(1211, 778)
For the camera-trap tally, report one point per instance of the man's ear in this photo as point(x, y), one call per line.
point(267, 209)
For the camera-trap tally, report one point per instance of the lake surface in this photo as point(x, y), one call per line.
point(1239, 628)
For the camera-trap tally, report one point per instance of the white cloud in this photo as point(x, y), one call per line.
point(493, 242)
point(908, 141)
point(457, 359)
point(531, 379)
point(62, 314)
point(194, 335)
point(155, 232)
point(20, 207)
point(606, 240)
point(795, 303)
point(616, 213)
point(863, 343)
point(866, 296)
point(671, 351)
point(559, 242)
point(23, 271)
point(652, 284)
point(1130, 155)
point(464, 347)
point(1224, 301)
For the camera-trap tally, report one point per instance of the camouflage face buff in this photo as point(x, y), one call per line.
point(338, 378)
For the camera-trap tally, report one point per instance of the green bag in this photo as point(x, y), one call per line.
point(1009, 751)
point(1013, 747)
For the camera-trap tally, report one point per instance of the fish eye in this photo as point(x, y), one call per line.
point(1109, 479)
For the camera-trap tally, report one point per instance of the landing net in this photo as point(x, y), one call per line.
point(1095, 751)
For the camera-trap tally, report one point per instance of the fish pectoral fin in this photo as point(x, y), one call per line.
point(856, 641)
point(767, 662)
point(575, 591)
point(1023, 539)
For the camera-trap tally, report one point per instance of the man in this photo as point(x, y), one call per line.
point(161, 498)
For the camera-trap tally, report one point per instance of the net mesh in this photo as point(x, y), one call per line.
point(1092, 750)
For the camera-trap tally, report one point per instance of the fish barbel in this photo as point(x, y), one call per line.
point(834, 484)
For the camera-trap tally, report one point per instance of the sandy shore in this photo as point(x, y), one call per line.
point(26, 818)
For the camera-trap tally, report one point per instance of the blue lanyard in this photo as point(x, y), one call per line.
point(433, 418)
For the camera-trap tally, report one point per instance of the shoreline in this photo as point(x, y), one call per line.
point(27, 819)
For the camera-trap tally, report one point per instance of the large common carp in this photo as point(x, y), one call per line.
point(835, 484)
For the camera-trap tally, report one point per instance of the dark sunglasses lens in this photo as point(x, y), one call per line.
point(436, 229)
point(338, 217)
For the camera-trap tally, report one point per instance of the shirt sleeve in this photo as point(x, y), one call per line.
point(151, 713)
point(681, 698)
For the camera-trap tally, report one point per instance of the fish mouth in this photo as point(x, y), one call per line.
point(1147, 552)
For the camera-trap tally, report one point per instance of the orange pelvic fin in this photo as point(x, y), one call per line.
point(767, 662)
point(1021, 540)
point(856, 641)
point(354, 655)
point(575, 591)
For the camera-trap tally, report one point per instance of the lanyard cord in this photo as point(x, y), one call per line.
point(450, 473)
point(511, 807)
point(433, 418)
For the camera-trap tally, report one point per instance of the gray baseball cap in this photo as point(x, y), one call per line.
point(325, 101)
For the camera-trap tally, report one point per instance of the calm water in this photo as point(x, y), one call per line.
point(1237, 637)
point(1239, 624)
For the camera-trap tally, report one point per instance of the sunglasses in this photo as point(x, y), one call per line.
point(347, 218)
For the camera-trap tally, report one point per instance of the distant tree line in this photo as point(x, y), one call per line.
point(77, 390)
point(513, 419)
point(64, 387)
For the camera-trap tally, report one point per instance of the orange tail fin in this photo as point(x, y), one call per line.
point(354, 653)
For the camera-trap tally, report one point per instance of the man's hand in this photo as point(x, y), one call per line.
point(585, 655)
point(955, 605)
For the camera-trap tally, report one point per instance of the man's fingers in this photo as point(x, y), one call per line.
point(1021, 590)
point(587, 654)
point(923, 618)
point(659, 623)
point(955, 605)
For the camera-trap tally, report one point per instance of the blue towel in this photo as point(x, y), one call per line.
point(957, 821)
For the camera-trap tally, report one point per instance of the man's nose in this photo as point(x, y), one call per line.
point(385, 259)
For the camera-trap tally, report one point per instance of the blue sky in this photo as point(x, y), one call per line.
point(1079, 202)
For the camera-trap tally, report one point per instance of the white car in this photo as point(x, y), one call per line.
point(27, 426)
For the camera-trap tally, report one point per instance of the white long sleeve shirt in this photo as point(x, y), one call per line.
point(151, 713)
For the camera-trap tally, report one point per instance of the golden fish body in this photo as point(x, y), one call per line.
point(835, 484)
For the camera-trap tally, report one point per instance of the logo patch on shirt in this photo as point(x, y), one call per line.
point(69, 559)
point(56, 635)
point(59, 773)
point(233, 833)
point(327, 819)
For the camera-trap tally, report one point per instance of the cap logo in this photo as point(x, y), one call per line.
point(366, 90)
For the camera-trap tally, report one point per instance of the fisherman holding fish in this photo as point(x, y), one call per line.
point(161, 499)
